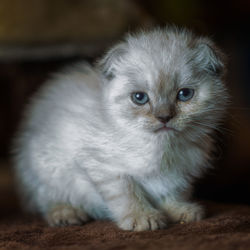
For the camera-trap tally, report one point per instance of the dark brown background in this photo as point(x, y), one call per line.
point(227, 22)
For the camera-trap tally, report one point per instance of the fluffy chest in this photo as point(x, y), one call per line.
point(176, 168)
point(141, 157)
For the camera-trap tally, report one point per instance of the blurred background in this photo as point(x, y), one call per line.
point(38, 37)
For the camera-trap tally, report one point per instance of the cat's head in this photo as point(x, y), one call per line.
point(165, 81)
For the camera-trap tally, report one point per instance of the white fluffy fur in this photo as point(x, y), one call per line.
point(86, 150)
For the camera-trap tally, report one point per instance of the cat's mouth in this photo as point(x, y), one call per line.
point(164, 129)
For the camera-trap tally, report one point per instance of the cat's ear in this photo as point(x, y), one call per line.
point(209, 58)
point(109, 63)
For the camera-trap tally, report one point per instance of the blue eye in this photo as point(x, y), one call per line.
point(139, 98)
point(185, 94)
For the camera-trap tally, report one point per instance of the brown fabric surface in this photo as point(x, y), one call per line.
point(226, 227)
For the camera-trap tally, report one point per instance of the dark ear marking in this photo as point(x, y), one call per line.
point(109, 61)
point(209, 58)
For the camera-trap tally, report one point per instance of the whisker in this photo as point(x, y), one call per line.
point(218, 128)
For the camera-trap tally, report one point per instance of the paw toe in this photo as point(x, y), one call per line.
point(143, 222)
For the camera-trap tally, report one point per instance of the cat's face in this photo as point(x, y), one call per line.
point(164, 84)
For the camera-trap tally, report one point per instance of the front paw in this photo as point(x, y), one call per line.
point(64, 214)
point(143, 221)
point(184, 212)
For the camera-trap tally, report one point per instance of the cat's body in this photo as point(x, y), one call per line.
point(88, 148)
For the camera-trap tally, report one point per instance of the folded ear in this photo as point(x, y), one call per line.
point(109, 63)
point(209, 58)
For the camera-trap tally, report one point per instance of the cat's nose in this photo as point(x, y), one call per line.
point(164, 119)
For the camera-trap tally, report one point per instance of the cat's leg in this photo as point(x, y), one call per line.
point(128, 206)
point(62, 214)
point(182, 211)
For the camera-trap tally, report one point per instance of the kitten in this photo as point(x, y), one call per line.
point(124, 140)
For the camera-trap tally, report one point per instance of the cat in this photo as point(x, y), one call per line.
point(124, 139)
